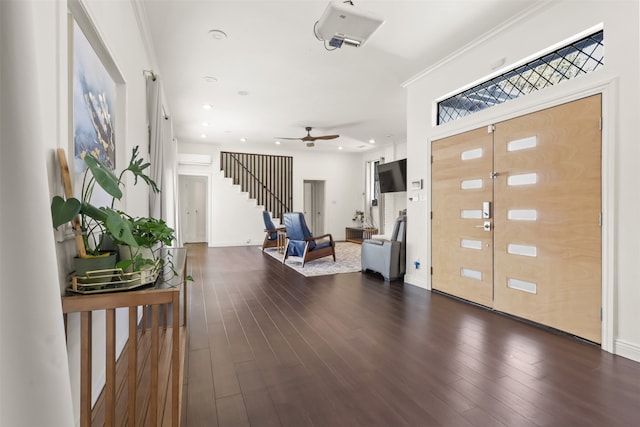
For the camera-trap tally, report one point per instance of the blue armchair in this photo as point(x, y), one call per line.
point(301, 243)
point(271, 238)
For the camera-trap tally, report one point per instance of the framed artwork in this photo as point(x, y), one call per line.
point(94, 102)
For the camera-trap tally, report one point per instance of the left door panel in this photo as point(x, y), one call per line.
point(462, 242)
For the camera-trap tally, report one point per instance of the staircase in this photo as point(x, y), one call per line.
point(266, 178)
point(249, 184)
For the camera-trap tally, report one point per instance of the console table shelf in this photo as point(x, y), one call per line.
point(358, 234)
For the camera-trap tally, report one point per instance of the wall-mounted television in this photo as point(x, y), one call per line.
point(392, 176)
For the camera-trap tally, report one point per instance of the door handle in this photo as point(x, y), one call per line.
point(486, 210)
point(486, 226)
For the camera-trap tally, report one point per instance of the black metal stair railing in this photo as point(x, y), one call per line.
point(267, 178)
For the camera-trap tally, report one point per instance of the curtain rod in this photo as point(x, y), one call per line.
point(154, 77)
point(150, 73)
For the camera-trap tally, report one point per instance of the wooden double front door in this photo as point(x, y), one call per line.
point(516, 222)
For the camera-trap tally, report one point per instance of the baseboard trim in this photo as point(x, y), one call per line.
point(235, 243)
point(627, 349)
point(414, 280)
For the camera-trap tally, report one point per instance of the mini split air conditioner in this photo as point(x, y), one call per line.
point(194, 159)
point(342, 23)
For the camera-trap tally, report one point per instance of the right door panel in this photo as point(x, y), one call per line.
point(547, 233)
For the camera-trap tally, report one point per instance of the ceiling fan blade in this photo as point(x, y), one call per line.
point(309, 139)
point(326, 137)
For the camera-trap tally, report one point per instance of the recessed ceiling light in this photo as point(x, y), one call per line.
point(339, 148)
point(243, 139)
point(243, 93)
point(203, 135)
point(277, 142)
point(205, 124)
point(207, 106)
point(210, 79)
point(218, 34)
point(372, 141)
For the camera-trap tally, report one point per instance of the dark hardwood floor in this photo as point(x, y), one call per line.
point(269, 347)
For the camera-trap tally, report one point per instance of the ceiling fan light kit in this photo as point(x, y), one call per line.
point(344, 24)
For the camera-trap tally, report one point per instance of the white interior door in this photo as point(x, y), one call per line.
point(193, 208)
point(314, 206)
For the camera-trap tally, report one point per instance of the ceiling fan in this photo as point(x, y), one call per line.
point(311, 139)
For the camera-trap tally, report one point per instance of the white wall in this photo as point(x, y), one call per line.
point(232, 221)
point(618, 80)
point(343, 174)
point(393, 202)
point(114, 25)
point(34, 376)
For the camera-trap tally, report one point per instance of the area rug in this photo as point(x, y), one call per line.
point(347, 261)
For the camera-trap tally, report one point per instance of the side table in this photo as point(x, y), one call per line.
point(282, 240)
point(358, 234)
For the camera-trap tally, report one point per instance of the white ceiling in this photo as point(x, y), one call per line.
point(274, 77)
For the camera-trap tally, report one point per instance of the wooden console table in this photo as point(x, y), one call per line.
point(166, 360)
point(358, 234)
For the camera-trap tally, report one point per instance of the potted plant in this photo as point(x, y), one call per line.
point(358, 217)
point(93, 223)
point(150, 234)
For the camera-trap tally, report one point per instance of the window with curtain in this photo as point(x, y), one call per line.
point(374, 208)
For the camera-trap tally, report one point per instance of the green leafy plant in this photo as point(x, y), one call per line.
point(358, 217)
point(96, 222)
point(149, 233)
point(152, 235)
